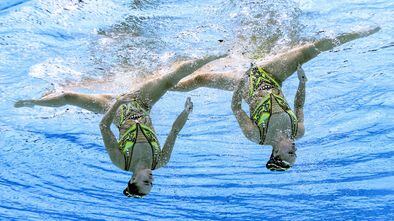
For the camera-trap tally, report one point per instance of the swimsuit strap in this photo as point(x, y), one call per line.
point(261, 80)
point(261, 116)
point(293, 118)
point(126, 144)
point(128, 141)
point(153, 142)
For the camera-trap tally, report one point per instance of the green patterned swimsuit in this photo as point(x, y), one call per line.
point(260, 80)
point(134, 115)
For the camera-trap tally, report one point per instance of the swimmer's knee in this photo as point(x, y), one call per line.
point(169, 84)
point(200, 79)
point(69, 97)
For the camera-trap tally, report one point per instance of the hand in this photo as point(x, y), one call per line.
point(24, 103)
point(188, 105)
point(301, 74)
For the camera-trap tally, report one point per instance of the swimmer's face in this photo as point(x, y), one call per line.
point(140, 184)
point(286, 152)
point(283, 156)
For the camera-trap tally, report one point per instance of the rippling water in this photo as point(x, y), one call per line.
point(53, 163)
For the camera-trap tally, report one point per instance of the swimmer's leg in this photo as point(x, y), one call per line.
point(97, 103)
point(152, 91)
point(284, 65)
point(224, 81)
point(223, 73)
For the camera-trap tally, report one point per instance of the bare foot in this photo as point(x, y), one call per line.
point(24, 103)
point(370, 31)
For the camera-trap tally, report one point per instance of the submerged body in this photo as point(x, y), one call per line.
point(137, 149)
point(271, 121)
point(268, 107)
point(136, 134)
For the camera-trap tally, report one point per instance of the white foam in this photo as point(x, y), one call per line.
point(55, 71)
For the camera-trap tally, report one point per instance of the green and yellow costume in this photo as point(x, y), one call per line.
point(134, 115)
point(259, 80)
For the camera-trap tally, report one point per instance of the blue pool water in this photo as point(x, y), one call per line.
point(53, 164)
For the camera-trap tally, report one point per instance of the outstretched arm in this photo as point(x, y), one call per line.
point(249, 129)
point(299, 101)
point(176, 128)
point(97, 103)
point(110, 141)
point(284, 65)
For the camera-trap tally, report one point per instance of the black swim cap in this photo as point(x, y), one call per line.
point(132, 191)
point(277, 164)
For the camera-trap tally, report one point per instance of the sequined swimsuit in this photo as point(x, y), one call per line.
point(133, 116)
point(260, 80)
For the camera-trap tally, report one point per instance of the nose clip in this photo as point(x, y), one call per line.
point(294, 146)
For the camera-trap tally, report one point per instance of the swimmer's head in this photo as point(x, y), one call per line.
point(140, 184)
point(283, 156)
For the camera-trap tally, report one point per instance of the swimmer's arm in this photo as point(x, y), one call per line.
point(165, 154)
point(110, 141)
point(299, 101)
point(249, 129)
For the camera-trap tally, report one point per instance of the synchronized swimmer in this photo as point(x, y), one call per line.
point(271, 121)
point(137, 150)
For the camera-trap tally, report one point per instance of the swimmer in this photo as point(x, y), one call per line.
point(271, 121)
point(137, 150)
